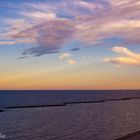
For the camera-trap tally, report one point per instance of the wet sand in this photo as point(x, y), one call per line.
point(83, 121)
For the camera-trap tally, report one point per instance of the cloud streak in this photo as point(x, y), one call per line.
point(129, 57)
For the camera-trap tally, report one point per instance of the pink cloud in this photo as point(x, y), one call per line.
point(43, 25)
point(50, 36)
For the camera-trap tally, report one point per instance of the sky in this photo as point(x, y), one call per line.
point(69, 44)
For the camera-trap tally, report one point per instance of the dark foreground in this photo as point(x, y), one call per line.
point(108, 120)
point(131, 136)
point(70, 115)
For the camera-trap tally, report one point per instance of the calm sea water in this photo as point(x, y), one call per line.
point(25, 98)
point(86, 121)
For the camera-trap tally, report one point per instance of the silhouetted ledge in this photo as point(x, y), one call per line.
point(69, 103)
point(132, 136)
point(101, 101)
point(35, 106)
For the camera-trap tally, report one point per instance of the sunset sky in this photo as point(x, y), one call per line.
point(69, 44)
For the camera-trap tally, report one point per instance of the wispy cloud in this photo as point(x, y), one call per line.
point(75, 49)
point(37, 15)
point(129, 57)
point(68, 58)
point(64, 56)
point(87, 59)
point(50, 25)
point(7, 43)
point(71, 61)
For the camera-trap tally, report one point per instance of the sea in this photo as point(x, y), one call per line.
point(69, 114)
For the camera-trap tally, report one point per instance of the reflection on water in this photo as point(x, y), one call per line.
point(94, 121)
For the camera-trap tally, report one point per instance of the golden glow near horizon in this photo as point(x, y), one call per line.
point(72, 78)
point(75, 44)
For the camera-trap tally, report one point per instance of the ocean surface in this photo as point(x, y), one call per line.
point(38, 98)
point(69, 115)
